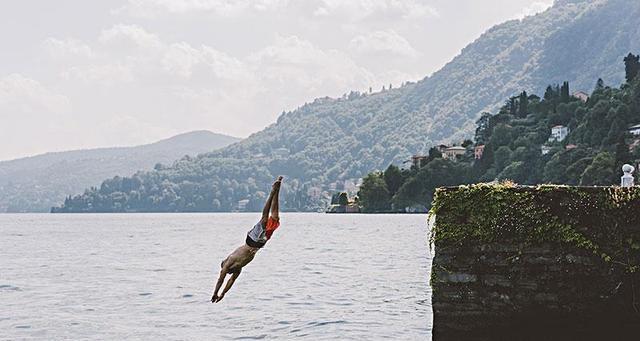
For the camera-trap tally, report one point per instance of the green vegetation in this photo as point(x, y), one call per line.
point(592, 153)
point(36, 183)
point(565, 257)
point(599, 220)
point(325, 145)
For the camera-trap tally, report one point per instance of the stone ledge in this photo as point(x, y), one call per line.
point(542, 272)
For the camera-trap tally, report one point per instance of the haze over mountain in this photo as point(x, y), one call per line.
point(34, 184)
point(341, 139)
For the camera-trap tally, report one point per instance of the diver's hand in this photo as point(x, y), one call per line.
point(220, 298)
point(214, 298)
point(277, 183)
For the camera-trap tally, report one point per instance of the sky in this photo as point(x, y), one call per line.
point(80, 74)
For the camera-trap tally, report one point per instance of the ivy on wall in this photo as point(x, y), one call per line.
point(601, 220)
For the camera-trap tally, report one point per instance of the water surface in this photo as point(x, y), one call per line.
point(150, 276)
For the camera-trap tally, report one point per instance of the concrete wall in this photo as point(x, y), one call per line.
point(501, 271)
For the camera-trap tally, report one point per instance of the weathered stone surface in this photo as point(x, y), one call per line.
point(511, 290)
point(460, 277)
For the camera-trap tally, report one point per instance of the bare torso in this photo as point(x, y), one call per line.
point(239, 258)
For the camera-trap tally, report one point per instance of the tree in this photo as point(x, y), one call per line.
point(573, 173)
point(411, 192)
point(343, 199)
point(393, 179)
point(523, 108)
point(549, 94)
point(631, 66)
point(512, 106)
point(554, 169)
point(516, 171)
point(564, 92)
point(374, 195)
point(501, 135)
point(623, 155)
point(483, 130)
point(434, 153)
point(600, 172)
point(502, 158)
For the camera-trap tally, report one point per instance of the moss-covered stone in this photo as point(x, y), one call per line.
point(544, 261)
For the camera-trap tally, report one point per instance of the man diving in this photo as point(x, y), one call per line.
point(257, 237)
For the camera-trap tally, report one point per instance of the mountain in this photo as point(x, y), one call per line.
point(330, 143)
point(34, 184)
point(552, 139)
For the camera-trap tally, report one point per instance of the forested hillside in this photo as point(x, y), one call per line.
point(592, 141)
point(34, 184)
point(330, 143)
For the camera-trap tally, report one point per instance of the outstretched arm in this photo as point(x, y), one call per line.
point(275, 202)
point(223, 274)
point(267, 205)
point(229, 285)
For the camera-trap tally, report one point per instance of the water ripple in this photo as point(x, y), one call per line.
point(150, 276)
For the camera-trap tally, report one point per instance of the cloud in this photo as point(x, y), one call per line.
point(104, 74)
point(152, 8)
point(535, 8)
point(28, 108)
point(386, 42)
point(126, 37)
point(22, 94)
point(128, 53)
point(292, 60)
point(159, 83)
point(362, 9)
point(66, 48)
point(352, 10)
point(180, 59)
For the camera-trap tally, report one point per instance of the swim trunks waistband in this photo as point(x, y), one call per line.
point(253, 243)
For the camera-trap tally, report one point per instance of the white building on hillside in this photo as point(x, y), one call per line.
point(452, 153)
point(558, 133)
point(583, 96)
point(635, 130)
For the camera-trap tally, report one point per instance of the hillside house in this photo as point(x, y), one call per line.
point(452, 153)
point(418, 160)
point(558, 133)
point(242, 205)
point(581, 95)
point(441, 148)
point(478, 151)
point(544, 149)
point(351, 185)
point(634, 130)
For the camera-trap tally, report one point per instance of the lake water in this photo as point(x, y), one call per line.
point(150, 276)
